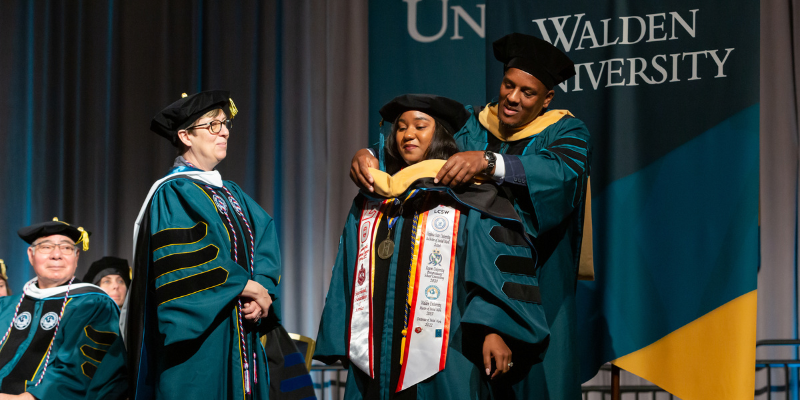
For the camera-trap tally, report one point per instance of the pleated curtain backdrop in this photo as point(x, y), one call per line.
point(81, 80)
point(778, 280)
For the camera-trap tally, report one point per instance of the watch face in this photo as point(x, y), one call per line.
point(490, 160)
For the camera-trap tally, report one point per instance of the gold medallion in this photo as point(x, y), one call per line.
point(386, 249)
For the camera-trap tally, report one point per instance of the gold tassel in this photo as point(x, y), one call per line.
point(402, 347)
point(84, 238)
point(234, 110)
point(3, 270)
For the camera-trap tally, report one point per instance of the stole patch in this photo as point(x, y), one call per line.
point(365, 231)
point(49, 321)
point(236, 205)
point(362, 276)
point(440, 224)
point(22, 321)
point(435, 258)
point(432, 292)
point(220, 204)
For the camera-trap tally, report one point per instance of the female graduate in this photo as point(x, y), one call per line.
point(113, 275)
point(434, 292)
point(206, 268)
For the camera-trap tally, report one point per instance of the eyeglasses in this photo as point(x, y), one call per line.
point(214, 126)
point(47, 248)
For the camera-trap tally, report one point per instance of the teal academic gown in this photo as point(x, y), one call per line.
point(87, 360)
point(556, 163)
point(187, 320)
point(490, 294)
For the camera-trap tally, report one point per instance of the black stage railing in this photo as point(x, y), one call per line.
point(776, 379)
point(329, 382)
point(767, 370)
point(606, 392)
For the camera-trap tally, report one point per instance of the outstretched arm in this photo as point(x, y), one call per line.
point(359, 169)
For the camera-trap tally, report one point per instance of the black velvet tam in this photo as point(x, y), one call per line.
point(108, 265)
point(534, 56)
point(450, 112)
point(55, 227)
point(182, 113)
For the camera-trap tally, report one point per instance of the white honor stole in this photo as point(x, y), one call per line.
point(424, 347)
point(360, 340)
point(431, 289)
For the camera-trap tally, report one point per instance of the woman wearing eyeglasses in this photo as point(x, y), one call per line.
point(206, 268)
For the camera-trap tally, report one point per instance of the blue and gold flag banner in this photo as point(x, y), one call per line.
point(425, 46)
point(669, 92)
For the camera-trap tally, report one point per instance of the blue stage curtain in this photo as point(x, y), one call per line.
point(80, 81)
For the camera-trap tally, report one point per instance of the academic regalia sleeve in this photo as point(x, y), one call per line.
point(110, 380)
point(87, 340)
point(195, 277)
point(267, 250)
point(268, 265)
point(557, 173)
point(332, 335)
point(501, 283)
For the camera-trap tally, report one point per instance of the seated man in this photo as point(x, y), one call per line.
point(62, 340)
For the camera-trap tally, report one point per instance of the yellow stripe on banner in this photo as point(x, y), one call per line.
point(712, 357)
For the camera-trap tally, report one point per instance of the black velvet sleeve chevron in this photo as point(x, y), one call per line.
point(170, 237)
point(572, 151)
point(174, 262)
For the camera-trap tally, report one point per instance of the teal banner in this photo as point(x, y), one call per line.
point(425, 46)
point(669, 92)
point(670, 95)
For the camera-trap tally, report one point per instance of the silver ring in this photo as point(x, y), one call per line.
point(511, 364)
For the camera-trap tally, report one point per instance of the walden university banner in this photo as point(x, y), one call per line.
point(425, 46)
point(669, 92)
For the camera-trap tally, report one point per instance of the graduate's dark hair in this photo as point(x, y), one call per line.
point(441, 148)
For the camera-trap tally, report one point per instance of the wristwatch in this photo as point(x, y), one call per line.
point(491, 159)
